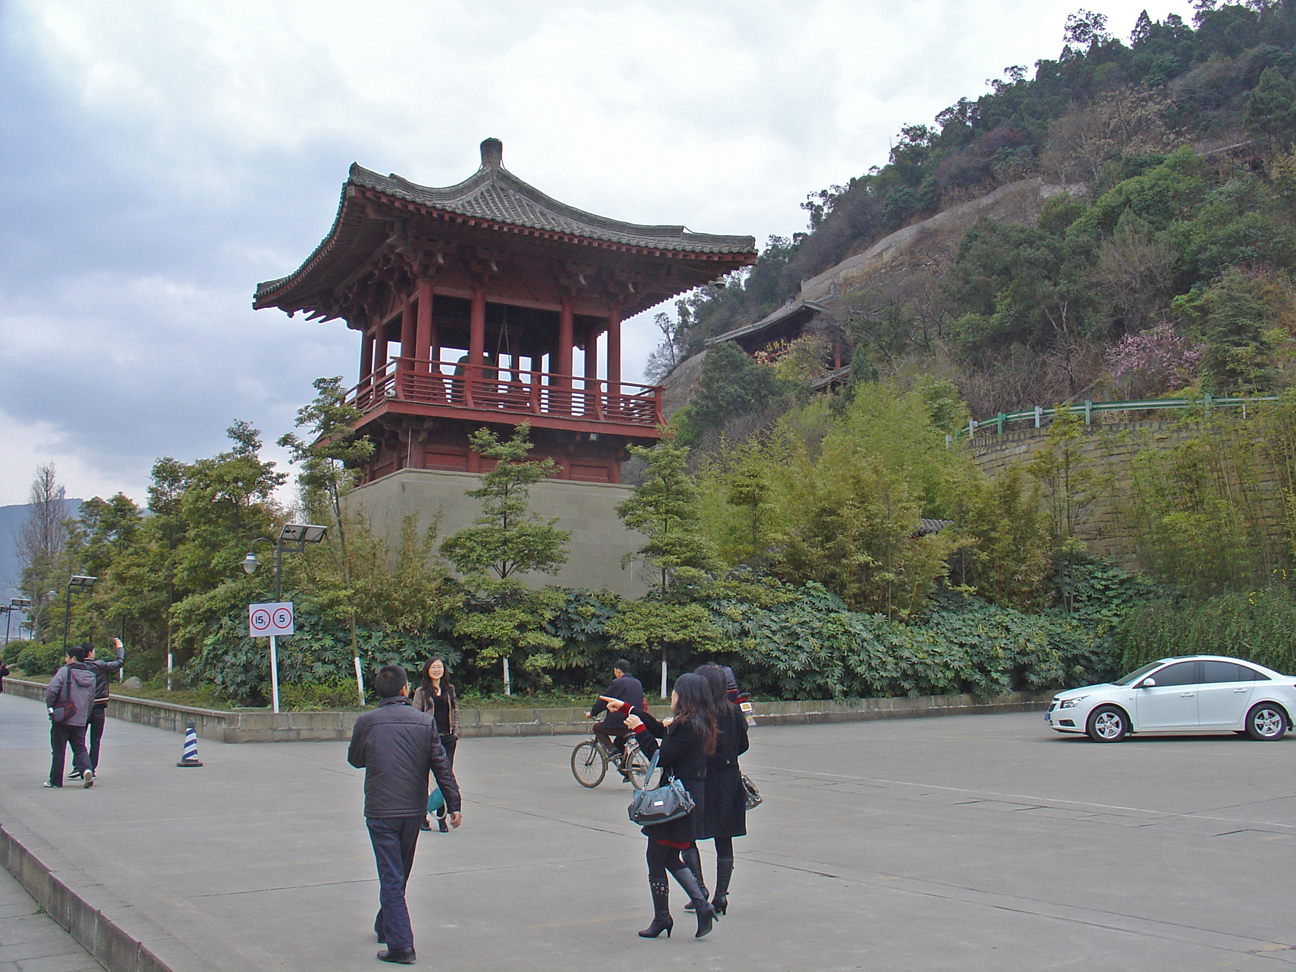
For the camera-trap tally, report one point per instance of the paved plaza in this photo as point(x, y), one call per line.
point(969, 843)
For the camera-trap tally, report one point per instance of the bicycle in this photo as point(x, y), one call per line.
point(589, 762)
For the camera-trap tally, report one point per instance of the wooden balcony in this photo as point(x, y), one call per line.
point(507, 395)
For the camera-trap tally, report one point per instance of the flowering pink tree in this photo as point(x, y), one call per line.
point(1153, 361)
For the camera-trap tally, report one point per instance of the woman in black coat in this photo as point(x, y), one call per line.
point(724, 811)
point(685, 744)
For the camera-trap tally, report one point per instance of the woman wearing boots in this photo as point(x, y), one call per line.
point(685, 745)
point(435, 694)
point(724, 814)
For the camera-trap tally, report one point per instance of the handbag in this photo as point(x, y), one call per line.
point(64, 708)
point(669, 801)
point(435, 800)
point(751, 795)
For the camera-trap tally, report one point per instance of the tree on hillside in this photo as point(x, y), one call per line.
point(506, 540)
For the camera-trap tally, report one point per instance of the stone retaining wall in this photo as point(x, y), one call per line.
point(258, 725)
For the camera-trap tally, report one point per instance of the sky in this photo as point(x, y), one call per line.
point(159, 159)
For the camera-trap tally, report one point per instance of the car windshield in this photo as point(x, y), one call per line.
point(1138, 673)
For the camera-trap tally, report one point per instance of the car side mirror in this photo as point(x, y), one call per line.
point(1148, 683)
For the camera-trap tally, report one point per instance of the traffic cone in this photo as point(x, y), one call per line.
point(189, 756)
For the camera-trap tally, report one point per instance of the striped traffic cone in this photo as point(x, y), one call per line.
point(189, 757)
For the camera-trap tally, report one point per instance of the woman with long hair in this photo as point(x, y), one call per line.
point(436, 694)
point(685, 744)
point(724, 813)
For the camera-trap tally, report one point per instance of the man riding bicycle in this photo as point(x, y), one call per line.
point(626, 688)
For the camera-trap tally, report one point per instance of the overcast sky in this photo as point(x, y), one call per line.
point(161, 158)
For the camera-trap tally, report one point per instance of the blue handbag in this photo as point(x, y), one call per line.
point(435, 800)
point(669, 801)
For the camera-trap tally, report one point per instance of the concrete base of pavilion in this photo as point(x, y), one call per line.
point(598, 539)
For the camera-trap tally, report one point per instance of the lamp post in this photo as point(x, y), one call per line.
point(80, 582)
point(15, 604)
point(294, 537)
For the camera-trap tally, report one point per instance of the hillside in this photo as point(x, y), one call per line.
point(1123, 222)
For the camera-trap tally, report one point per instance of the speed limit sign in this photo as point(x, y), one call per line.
point(265, 620)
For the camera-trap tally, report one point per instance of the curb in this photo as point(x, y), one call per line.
point(112, 947)
point(244, 726)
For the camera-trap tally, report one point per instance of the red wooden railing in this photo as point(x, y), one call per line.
point(509, 390)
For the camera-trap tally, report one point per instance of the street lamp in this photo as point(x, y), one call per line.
point(15, 604)
point(80, 582)
point(293, 536)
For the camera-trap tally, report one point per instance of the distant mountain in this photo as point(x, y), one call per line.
point(11, 518)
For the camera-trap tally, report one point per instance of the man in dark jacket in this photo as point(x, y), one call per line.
point(626, 688)
point(101, 669)
point(74, 682)
point(396, 745)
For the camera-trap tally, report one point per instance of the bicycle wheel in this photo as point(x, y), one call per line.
point(588, 763)
point(636, 764)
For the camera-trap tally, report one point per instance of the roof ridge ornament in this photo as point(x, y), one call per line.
point(492, 154)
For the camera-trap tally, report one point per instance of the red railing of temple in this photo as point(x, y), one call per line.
point(509, 390)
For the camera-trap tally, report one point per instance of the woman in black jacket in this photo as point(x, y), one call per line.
point(436, 694)
point(685, 744)
point(724, 812)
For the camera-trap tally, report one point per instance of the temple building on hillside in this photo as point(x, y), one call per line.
point(470, 302)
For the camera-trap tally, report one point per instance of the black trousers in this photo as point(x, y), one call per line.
point(61, 735)
point(394, 840)
point(96, 728)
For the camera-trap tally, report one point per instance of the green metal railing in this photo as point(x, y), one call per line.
point(1087, 408)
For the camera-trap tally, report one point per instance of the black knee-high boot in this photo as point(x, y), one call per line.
point(701, 906)
point(693, 861)
point(724, 871)
point(662, 920)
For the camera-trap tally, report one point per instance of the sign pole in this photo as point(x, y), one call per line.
point(274, 675)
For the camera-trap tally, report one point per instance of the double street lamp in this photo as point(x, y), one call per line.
point(15, 604)
point(293, 537)
point(78, 582)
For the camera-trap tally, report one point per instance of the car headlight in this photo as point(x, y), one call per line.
point(1072, 703)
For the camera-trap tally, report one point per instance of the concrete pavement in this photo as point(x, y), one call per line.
point(31, 940)
point(979, 842)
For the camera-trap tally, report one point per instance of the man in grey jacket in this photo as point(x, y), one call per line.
point(74, 681)
point(397, 745)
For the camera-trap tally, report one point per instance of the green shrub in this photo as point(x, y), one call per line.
point(336, 693)
point(13, 650)
point(1259, 626)
point(36, 661)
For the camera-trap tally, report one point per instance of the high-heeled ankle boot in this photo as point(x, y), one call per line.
point(693, 860)
point(701, 906)
point(662, 920)
point(724, 871)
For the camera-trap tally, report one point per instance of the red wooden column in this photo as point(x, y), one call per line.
point(408, 315)
point(614, 360)
point(423, 328)
point(380, 351)
point(476, 345)
point(563, 364)
point(593, 400)
point(363, 392)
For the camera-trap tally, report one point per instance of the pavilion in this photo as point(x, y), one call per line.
point(470, 302)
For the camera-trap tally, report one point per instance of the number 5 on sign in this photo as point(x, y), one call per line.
point(265, 620)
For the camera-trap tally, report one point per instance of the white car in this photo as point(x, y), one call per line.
point(1200, 693)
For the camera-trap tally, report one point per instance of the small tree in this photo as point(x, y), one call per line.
point(508, 539)
point(664, 507)
point(329, 462)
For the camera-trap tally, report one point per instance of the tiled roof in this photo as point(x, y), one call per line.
point(494, 193)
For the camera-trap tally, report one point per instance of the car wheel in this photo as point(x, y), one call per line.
point(1108, 724)
point(1266, 721)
